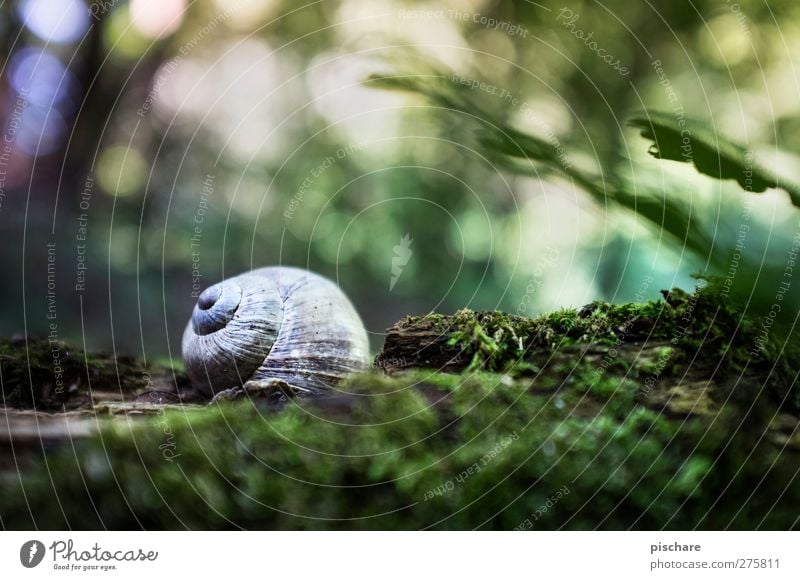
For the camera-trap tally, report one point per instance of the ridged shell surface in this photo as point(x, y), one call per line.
point(273, 323)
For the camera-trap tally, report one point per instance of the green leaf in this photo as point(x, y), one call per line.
point(508, 141)
point(691, 140)
point(527, 154)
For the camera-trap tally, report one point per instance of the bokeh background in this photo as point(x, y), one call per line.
point(151, 147)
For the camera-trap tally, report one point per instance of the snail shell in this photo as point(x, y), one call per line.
point(273, 323)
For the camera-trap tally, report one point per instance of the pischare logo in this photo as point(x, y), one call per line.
point(31, 553)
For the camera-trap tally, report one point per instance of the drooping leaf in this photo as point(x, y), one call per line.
point(695, 141)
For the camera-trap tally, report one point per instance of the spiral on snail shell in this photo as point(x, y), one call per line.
point(273, 323)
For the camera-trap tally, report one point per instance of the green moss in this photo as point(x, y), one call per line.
point(693, 330)
point(630, 416)
point(453, 451)
point(660, 362)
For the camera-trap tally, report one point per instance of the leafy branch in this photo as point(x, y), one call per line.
point(524, 153)
point(678, 139)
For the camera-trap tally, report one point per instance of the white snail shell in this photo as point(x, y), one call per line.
point(273, 323)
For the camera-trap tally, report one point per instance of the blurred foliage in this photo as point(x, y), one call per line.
point(235, 113)
point(520, 152)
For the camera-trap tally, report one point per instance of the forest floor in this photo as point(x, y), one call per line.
point(668, 414)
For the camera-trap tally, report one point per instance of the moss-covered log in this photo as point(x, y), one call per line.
point(53, 394)
point(669, 345)
point(49, 375)
point(660, 415)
